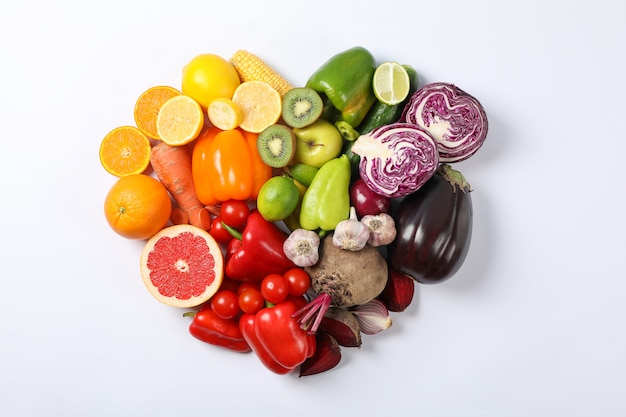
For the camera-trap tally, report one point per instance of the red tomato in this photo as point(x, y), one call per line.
point(245, 285)
point(274, 288)
point(298, 281)
point(225, 303)
point(234, 213)
point(219, 233)
point(251, 300)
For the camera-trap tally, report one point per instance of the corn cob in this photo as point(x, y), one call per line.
point(252, 68)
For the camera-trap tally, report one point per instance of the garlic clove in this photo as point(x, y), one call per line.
point(382, 228)
point(302, 247)
point(351, 234)
point(373, 317)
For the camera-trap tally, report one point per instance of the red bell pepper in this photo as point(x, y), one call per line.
point(211, 328)
point(247, 327)
point(259, 253)
point(281, 335)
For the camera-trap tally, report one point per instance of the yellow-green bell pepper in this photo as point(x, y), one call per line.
point(327, 200)
point(345, 83)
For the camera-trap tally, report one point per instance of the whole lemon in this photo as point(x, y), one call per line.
point(277, 198)
point(209, 76)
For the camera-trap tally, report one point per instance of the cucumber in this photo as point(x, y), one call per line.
point(383, 114)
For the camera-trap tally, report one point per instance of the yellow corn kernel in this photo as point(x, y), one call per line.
point(252, 68)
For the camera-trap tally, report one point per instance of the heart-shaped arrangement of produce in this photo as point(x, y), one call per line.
point(287, 220)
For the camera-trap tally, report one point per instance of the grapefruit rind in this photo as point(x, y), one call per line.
point(183, 258)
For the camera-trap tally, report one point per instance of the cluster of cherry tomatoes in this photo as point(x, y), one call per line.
point(235, 297)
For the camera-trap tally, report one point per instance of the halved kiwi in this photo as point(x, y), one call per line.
point(277, 145)
point(301, 106)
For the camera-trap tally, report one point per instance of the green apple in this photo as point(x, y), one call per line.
point(317, 143)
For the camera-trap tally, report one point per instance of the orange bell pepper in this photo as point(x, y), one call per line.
point(261, 172)
point(226, 165)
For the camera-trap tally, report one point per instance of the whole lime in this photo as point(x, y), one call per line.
point(277, 198)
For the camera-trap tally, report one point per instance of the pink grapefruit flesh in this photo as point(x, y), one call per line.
point(182, 266)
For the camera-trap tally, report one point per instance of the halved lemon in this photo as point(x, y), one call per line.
point(180, 120)
point(260, 103)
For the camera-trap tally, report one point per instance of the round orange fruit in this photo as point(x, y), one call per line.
point(182, 266)
point(137, 206)
point(124, 151)
point(147, 108)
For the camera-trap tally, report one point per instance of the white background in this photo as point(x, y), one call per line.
point(532, 325)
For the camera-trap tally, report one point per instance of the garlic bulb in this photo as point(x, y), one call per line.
point(302, 247)
point(351, 234)
point(382, 229)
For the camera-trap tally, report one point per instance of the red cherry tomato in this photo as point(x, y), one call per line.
point(251, 300)
point(234, 213)
point(245, 285)
point(274, 288)
point(219, 233)
point(298, 281)
point(225, 303)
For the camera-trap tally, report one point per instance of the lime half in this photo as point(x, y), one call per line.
point(391, 83)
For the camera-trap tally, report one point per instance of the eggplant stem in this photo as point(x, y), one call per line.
point(454, 177)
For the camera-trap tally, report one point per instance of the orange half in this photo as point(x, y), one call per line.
point(125, 151)
point(147, 108)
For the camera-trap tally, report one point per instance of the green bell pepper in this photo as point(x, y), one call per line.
point(345, 83)
point(327, 200)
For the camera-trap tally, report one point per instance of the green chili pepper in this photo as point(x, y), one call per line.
point(327, 200)
point(345, 81)
point(347, 131)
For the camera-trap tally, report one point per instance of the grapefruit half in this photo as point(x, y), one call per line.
point(182, 266)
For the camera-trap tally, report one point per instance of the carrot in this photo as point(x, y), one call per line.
point(172, 166)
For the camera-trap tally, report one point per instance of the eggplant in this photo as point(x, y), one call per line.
point(434, 228)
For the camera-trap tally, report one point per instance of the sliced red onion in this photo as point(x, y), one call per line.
point(373, 317)
point(396, 159)
point(455, 119)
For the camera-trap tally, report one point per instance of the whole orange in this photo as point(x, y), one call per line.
point(137, 206)
point(209, 76)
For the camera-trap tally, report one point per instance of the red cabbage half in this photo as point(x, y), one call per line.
point(455, 119)
point(396, 159)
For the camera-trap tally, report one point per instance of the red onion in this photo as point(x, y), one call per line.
point(396, 159)
point(455, 119)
